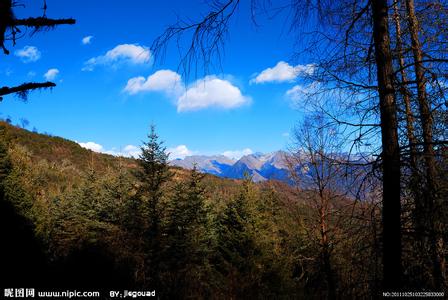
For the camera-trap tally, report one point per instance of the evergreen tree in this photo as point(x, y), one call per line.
point(78, 217)
point(5, 163)
point(117, 189)
point(274, 276)
point(236, 245)
point(187, 247)
point(18, 179)
point(153, 174)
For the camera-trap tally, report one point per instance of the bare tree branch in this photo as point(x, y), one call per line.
point(23, 89)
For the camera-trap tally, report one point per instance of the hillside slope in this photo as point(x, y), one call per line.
point(72, 161)
point(57, 149)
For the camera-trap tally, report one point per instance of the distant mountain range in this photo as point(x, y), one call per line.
point(258, 165)
point(262, 167)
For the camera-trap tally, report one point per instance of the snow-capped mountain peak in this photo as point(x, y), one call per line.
point(258, 165)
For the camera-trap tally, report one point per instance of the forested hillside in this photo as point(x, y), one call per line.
point(84, 219)
point(354, 92)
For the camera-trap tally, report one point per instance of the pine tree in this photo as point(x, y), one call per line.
point(187, 247)
point(77, 215)
point(153, 174)
point(5, 163)
point(236, 244)
point(117, 189)
point(17, 179)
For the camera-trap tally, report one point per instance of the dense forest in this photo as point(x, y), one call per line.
point(79, 218)
point(370, 216)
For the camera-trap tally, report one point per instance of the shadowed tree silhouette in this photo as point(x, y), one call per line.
point(338, 23)
point(10, 30)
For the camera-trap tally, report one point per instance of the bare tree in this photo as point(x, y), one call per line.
point(314, 167)
point(10, 30)
point(358, 57)
point(428, 151)
point(392, 273)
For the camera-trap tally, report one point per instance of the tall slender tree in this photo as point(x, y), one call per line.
point(207, 40)
point(187, 250)
point(392, 273)
point(431, 199)
point(153, 174)
point(237, 249)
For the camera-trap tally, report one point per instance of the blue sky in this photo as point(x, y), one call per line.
point(110, 89)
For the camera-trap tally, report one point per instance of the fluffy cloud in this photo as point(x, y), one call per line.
point(283, 72)
point(163, 81)
point(121, 54)
point(128, 151)
point(180, 151)
point(296, 92)
point(51, 74)
point(87, 40)
point(92, 146)
point(28, 54)
point(237, 154)
point(299, 92)
point(209, 91)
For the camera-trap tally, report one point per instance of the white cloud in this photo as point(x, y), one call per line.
point(28, 54)
point(298, 93)
point(132, 151)
point(127, 151)
point(163, 81)
point(211, 92)
point(237, 154)
point(31, 74)
point(92, 146)
point(180, 151)
point(121, 54)
point(51, 74)
point(283, 72)
point(87, 40)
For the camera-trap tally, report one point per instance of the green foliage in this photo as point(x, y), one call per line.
point(153, 174)
point(236, 244)
point(185, 234)
point(16, 182)
point(154, 170)
point(5, 162)
point(82, 216)
point(186, 252)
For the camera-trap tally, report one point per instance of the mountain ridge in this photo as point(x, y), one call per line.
point(261, 167)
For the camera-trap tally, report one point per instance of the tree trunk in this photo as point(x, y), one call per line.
point(392, 269)
point(435, 238)
point(405, 92)
point(325, 248)
point(418, 214)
